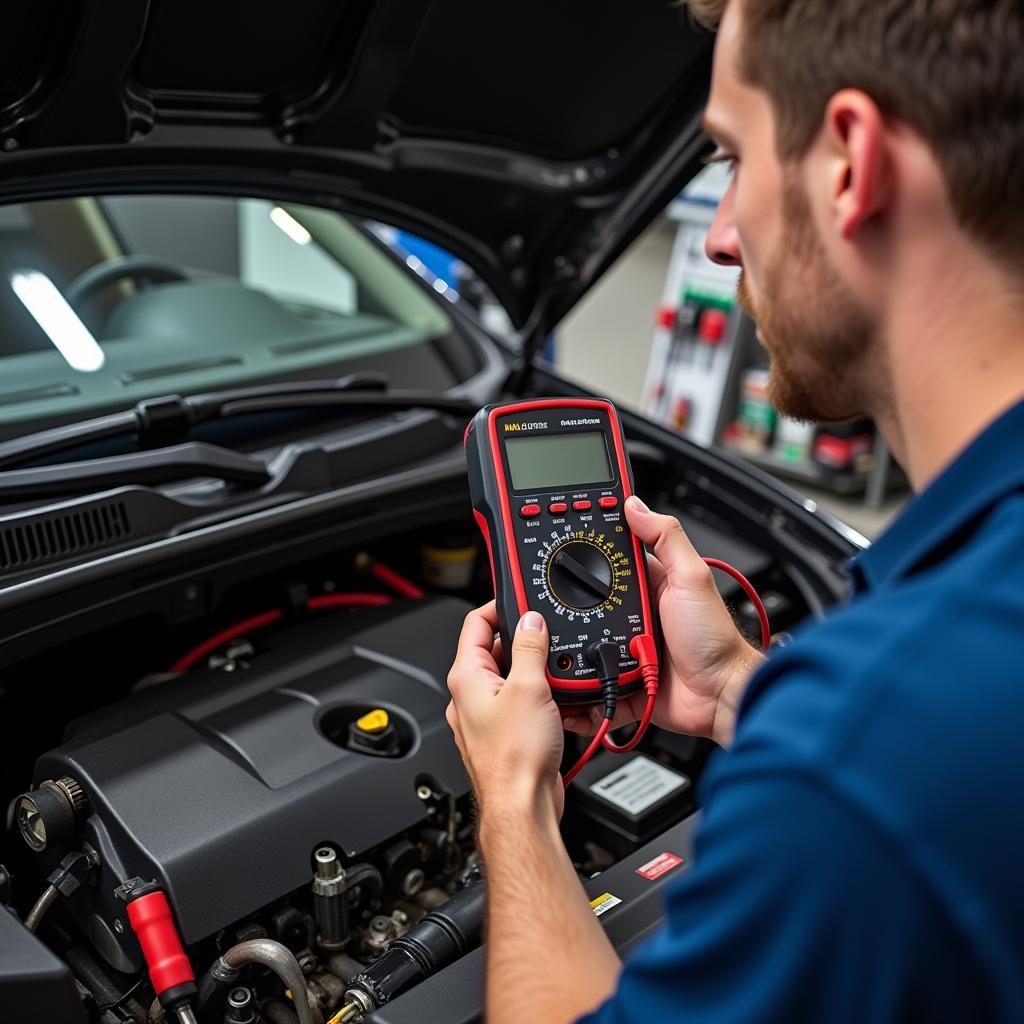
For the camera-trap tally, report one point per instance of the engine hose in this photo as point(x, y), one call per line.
point(363, 874)
point(282, 962)
point(440, 938)
point(42, 905)
point(104, 989)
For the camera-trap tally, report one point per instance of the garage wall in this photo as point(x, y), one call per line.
point(605, 343)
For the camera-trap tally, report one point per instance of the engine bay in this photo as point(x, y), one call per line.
point(266, 750)
point(242, 775)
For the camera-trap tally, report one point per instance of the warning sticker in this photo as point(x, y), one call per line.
point(638, 785)
point(603, 903)
point(661, 864)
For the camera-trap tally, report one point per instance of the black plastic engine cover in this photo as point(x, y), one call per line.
point(220, 784)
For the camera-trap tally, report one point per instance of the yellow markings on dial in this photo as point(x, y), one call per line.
point(618, 560)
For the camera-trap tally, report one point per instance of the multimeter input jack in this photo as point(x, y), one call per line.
point(604, 656)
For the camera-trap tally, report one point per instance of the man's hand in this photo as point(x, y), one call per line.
point(706, 663)
point(545, 949)
point(508, 730)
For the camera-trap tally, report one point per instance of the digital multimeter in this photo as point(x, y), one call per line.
point(548, 480)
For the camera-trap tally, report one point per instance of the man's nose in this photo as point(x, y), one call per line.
point(722, 244)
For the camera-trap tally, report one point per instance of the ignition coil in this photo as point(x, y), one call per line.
point(330, 899)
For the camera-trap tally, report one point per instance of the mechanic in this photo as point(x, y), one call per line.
point(861, 851)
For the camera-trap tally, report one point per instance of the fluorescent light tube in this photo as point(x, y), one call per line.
point(58, 321)
point(290, 226)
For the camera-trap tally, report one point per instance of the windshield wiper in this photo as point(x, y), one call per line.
point(162, 466)
point(161, 421)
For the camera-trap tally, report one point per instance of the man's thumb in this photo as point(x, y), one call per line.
point(665, 536)
point(529, 648)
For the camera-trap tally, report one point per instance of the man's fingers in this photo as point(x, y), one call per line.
point(529, 651)
point(673, 549)
point(474, 660)
point(586, 721)
point(478, 629)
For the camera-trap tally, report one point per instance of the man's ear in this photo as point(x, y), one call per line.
point(861, 182)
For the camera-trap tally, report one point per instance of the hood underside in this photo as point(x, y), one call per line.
point(533, 139)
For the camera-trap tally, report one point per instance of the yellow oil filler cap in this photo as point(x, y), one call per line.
point(374, 721)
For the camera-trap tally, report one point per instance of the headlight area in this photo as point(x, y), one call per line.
point(259, 813)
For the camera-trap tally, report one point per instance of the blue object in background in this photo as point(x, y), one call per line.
point(438, 261)
point(444, 265)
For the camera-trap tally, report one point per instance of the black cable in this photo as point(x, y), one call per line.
point(604, 656)
point(117, 1002)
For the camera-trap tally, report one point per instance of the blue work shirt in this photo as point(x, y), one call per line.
point(861, 855)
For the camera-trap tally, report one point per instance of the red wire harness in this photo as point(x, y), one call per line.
point(325, 601)
point(644, 650)
point(384, 574)
point(225, 636)
point(255, 622)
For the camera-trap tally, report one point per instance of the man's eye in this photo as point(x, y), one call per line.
point(720, 156)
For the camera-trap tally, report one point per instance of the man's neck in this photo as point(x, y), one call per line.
point(956, 359)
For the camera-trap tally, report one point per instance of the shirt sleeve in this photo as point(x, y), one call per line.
point(796, 909)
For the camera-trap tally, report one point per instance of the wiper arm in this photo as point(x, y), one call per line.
point(162, 466)
point(161, 421)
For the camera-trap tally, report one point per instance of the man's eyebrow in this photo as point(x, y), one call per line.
point(713, 130)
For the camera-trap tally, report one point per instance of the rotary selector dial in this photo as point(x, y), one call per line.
point(580, 575)
point(583, 574)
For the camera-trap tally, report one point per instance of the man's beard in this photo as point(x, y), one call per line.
point(819, 337)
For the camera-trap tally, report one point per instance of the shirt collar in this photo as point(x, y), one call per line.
point(989, 468)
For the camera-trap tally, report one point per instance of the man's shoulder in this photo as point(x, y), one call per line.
point(923, 652)
point(833, 672)
point(880, 701)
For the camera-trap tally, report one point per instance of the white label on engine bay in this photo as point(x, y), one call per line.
point(603, 903)
point(638, 785)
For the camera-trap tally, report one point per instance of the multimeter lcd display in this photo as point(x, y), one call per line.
point(558, 461)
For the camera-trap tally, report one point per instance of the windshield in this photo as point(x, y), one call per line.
point(106, 301)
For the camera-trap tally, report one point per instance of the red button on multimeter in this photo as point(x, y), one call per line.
point(589, 581)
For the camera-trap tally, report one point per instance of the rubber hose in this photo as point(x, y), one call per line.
point(42, 905)
point(437, 940)
point(364, 874)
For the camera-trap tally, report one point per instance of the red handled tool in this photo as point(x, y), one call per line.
point(170, 973)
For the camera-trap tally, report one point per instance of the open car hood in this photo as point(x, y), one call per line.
point(533, 139)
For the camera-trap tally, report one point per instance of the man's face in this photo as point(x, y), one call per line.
point(818, 334)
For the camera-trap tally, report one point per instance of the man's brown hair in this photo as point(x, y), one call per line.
point(951, 69)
